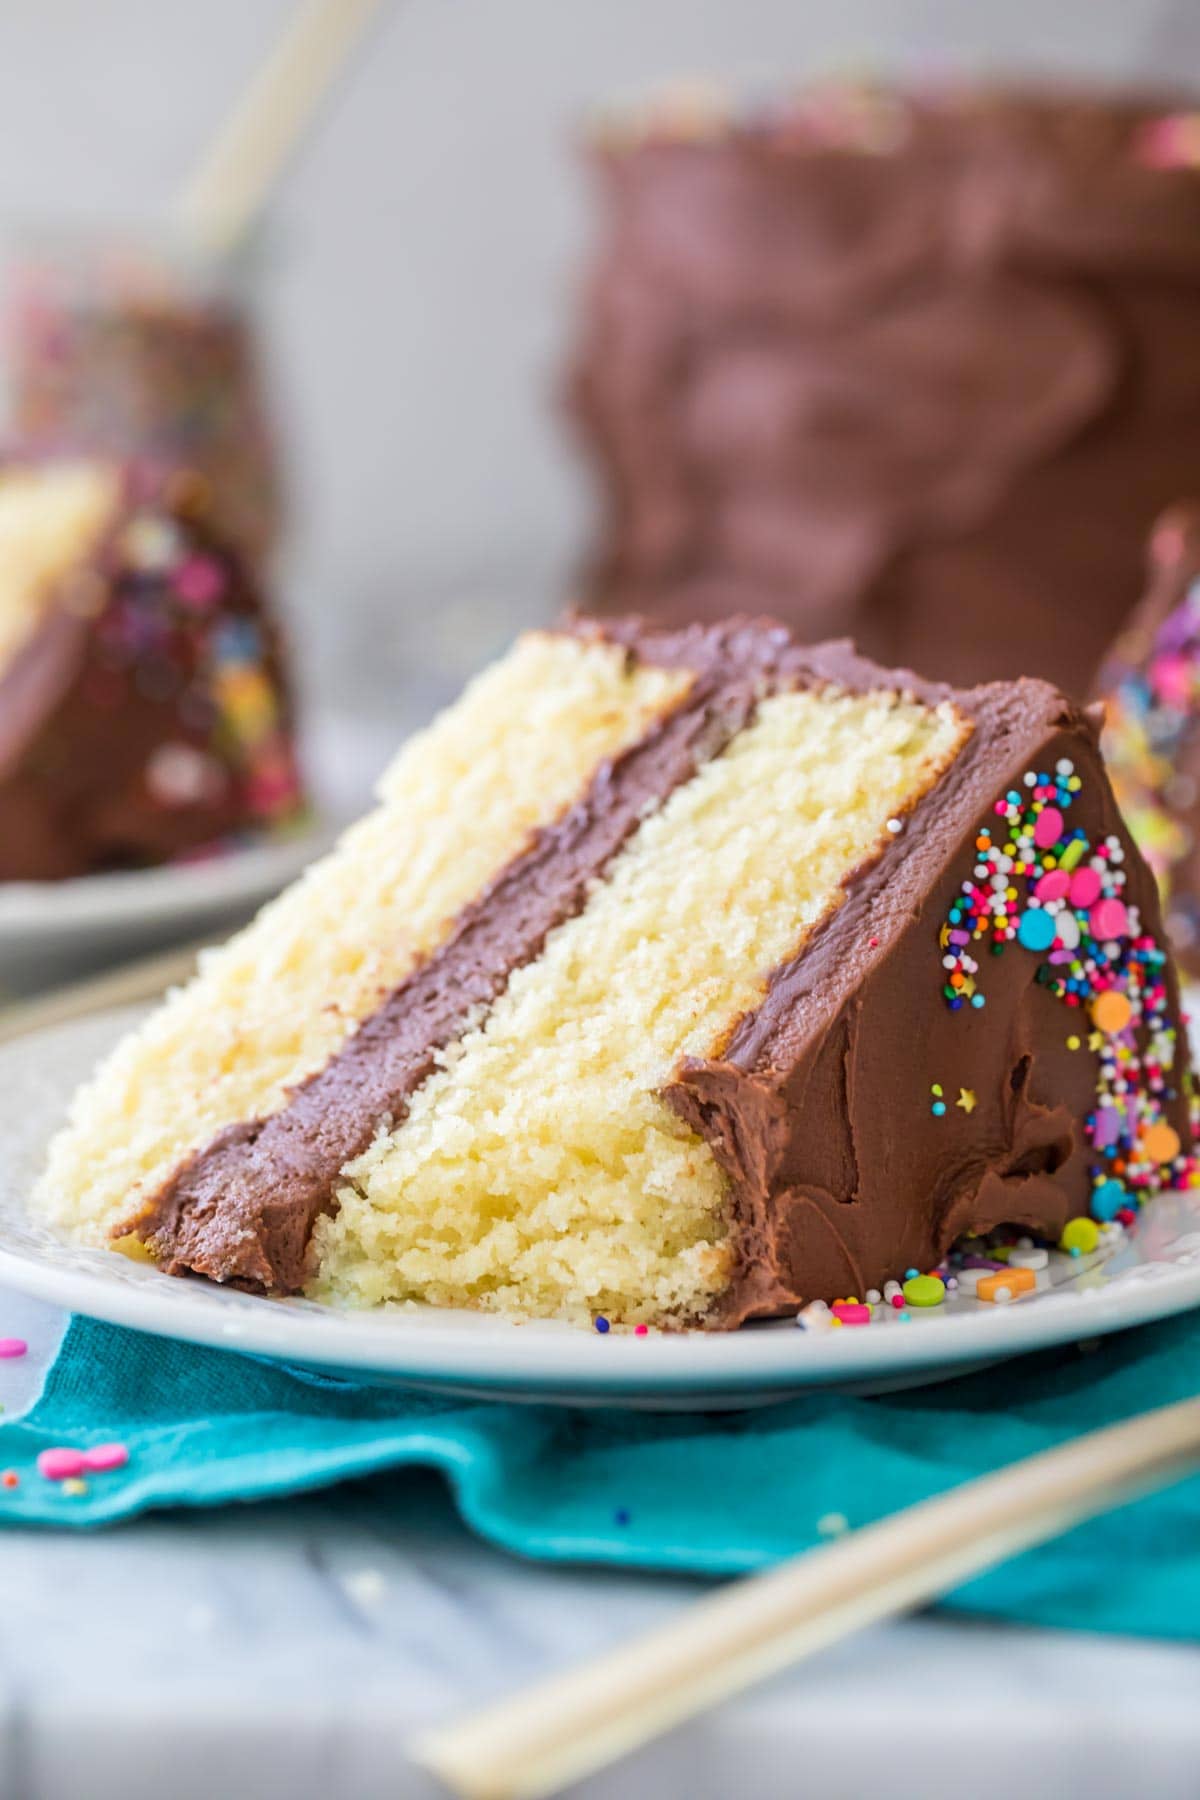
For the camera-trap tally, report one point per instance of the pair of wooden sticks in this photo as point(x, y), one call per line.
point(569, 1726)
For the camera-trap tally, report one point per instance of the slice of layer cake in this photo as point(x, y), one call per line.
point(1150, 687)
point(678, 976)
point(144, 710)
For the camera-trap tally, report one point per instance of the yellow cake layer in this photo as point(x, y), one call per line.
point(50, 521)
point(537, 1171)
point(268, 1009)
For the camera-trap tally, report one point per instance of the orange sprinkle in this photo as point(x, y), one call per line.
point(1016, 1281)
point(1161, 1143)
point(1111, 1012)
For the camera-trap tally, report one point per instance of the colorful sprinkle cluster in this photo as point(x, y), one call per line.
point(1040, 883)
point(1151, 717)
point(998, 1269)
point(172, 627)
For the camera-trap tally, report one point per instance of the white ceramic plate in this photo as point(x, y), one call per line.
point(1151, 1275)
point(54, 923)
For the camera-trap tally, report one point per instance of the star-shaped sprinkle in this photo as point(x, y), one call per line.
point(966, 1099)
point(1095, 1040)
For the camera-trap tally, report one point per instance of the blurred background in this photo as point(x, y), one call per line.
point(420, 256)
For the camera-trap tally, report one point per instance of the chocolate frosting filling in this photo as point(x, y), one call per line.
point(817, 1104)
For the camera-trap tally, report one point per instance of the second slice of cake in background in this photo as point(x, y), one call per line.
point(679, 977)
point(145, 712)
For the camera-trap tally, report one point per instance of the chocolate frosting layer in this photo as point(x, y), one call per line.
point(148, 715)
point(817, 1106)
point(1150, 688)
point(862, 383)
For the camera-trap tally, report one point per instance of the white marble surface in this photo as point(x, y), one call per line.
point(292, 1649)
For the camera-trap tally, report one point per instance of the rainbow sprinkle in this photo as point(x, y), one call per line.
point(1151, 714)
point(1040, 883)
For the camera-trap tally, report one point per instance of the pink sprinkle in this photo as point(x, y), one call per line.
point(1085, 887)
point(199, 581)
point(1053, 886)
point(115, 1456)
point(13, 1347)
point(856, 1314)
point(1108, 919)
point(1173, 679)
point(61, 1465)
point(640, 1330)
point(898, 1302)
point(1048, 828)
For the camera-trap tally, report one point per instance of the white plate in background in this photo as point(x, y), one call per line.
point(48, 929)
point(1154, 1273)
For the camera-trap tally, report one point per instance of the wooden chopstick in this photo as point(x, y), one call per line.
point(230, 186)
point(145, 979)
point(567, 1727)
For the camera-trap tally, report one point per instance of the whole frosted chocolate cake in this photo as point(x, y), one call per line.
point(854, 358)
point(678, 977)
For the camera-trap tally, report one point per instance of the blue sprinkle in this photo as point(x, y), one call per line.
point(621, 1516)
point(1036, 929)
point(1108, 1200)
point(938, 1108)
point(977, 1001)
point(601, 1324)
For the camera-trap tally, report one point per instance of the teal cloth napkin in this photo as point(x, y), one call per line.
point(711, 1494)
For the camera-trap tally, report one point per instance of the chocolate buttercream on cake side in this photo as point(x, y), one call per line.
point(820, 1108)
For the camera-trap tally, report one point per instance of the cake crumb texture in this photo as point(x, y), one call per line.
point(538, 1172)
point(267, 1010)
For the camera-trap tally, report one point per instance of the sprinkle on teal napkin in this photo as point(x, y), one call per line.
point(712, 1494)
